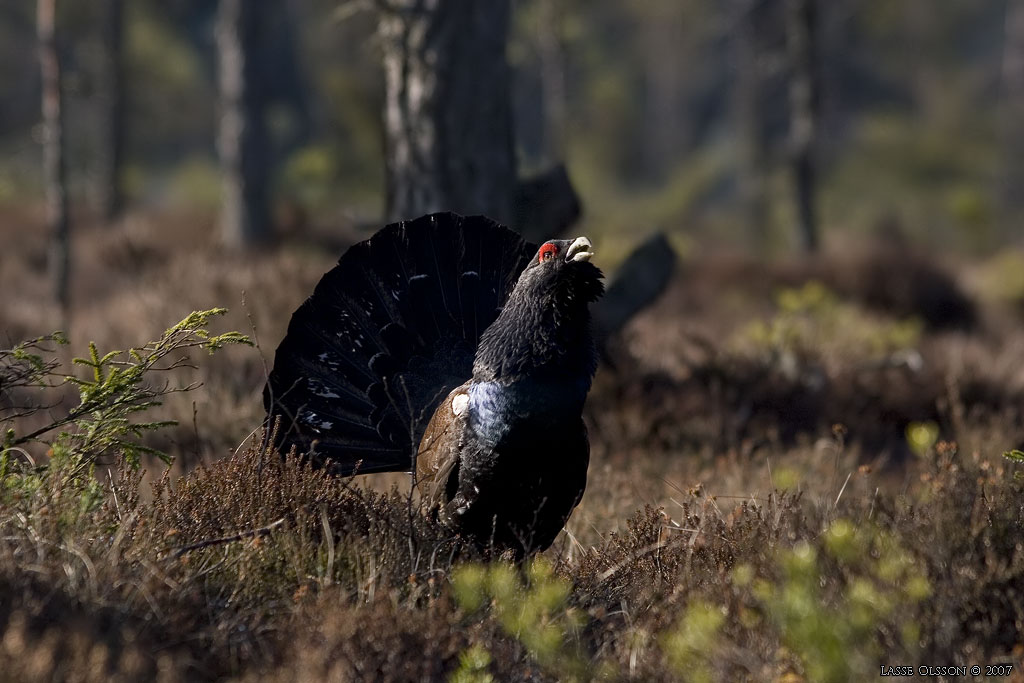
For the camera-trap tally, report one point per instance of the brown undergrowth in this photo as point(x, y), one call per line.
point(795, 476)
point(260, 567)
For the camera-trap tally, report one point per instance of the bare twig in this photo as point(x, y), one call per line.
point(329, 539)
point(608, 573)
point(240, 536)
point(836, 503)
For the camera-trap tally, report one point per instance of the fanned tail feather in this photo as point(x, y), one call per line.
point(387, 333)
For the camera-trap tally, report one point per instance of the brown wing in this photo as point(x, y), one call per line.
point(438, 453)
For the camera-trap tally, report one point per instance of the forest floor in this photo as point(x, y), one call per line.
point(797, 474)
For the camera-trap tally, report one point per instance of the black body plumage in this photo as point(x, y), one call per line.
point(450, 346)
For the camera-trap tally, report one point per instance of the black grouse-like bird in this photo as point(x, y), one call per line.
point(450, 347)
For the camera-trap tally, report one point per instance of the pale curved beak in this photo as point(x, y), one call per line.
point(580, 250)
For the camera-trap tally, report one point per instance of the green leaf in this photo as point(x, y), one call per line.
point(102, 422)
point(1014, 455)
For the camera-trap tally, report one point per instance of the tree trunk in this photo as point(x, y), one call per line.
point(545, 205)
point(552, 77)
point(803, 114)
point(662, 140)
point(750, 152)
point(54, 168)
point(1012, 189)
point(292, 89)
point(242, 134)
point(448, 118)
point(112, 198)
point(928, 75)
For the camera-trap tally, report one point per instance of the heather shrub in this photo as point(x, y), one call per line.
point(257, 566)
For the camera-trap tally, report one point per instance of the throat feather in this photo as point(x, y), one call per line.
point(536, 340)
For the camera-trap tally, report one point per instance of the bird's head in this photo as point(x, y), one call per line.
point(561, 275)
point(546, 322)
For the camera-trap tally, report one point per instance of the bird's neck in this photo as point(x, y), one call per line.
point(537, 340)
point(532, 372)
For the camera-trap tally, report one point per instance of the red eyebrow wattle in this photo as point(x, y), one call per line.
point(547, 249)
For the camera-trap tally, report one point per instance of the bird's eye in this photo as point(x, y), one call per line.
point(548, 252)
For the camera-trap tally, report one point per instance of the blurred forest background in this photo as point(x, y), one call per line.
point(668, 114)
point(857, 162)
point(807, 434)
point(798, 156)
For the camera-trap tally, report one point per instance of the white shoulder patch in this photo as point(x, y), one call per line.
point(459, 403)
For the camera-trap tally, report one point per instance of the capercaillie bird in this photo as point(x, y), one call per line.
point(449, 347)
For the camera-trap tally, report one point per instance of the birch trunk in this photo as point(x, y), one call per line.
point(113, 136)
point(448, 118)
point(242, 133)
point(54, 166)
point(803, 115)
